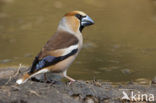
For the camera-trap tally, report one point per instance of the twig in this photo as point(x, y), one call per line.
point(10, 78)
point(17, 72)
point(34, 92)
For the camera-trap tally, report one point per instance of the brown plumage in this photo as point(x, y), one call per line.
point(73, 13)
point(54, 46)
point(65, 40)
point(62, 48)
point(58, 41)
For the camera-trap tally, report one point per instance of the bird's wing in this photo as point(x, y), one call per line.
point(59, 47)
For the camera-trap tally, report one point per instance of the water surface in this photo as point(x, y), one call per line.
point(119, 47)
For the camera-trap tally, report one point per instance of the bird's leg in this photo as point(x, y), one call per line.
point(48, 80)
point(69, 78)
point(45, 76)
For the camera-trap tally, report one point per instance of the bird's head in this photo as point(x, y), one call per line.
point(76, 21)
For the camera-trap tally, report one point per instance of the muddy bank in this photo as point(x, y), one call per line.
point(61, 92)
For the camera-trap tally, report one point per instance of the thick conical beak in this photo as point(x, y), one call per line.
point(86, 21)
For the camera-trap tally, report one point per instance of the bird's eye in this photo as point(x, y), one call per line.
point(78, 16)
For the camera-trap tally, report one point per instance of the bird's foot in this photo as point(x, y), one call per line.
point(70, 82)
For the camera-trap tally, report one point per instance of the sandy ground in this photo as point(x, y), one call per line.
point(78, 92)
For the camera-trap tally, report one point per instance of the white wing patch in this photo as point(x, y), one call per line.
point(69, 49)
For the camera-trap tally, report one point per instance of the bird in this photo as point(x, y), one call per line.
point(61, 49)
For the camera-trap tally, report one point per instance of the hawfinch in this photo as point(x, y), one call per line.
point(62, 48)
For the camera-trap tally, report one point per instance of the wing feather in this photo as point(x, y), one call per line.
point(59, 47)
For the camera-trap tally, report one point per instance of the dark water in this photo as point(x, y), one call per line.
point(121, 46)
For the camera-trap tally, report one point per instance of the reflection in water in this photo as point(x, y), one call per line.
point(119, 47)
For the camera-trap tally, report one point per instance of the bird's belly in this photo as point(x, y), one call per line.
point(62, 66)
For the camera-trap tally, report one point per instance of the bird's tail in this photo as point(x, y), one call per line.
point(24, 78)
point(27, 76)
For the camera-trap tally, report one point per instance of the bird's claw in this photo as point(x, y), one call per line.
point(71, 82)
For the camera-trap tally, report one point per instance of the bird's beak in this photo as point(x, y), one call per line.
point(86, 21)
